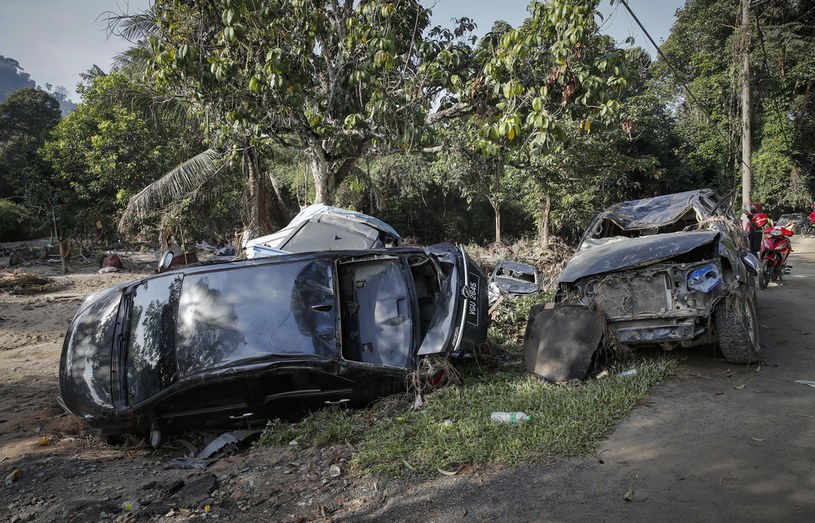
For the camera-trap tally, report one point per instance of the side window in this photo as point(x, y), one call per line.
point(151, 363)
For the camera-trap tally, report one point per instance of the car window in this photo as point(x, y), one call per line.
point(151, 364)
point(251, 312)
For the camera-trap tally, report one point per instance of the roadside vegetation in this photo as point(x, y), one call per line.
point(452, 430)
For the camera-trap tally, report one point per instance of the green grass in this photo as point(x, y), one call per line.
point(454, 428)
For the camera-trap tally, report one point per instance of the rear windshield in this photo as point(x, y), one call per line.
point(280, 309)
point(332, 234)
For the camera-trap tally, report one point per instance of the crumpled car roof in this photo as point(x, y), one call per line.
point(657, 211)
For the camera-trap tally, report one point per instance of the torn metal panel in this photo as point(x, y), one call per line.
point(559, 343)
point(660, 211)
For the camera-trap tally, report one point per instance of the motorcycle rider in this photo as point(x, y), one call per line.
point(756, 222)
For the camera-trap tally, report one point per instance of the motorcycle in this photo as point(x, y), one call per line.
point(775, 248)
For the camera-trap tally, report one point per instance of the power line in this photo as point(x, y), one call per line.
point(680, 80)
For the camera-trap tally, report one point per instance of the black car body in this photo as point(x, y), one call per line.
point(236, 344)
point(670, 270)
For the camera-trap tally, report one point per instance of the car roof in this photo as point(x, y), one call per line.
point(659, 210)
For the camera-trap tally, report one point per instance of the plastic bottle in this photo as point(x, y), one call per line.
point(627, 373)
point(509, 417)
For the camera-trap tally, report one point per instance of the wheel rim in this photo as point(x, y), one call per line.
point(750, 324)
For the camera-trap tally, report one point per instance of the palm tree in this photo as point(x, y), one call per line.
point(264, 208)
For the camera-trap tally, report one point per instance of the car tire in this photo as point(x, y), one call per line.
point(765, 273)
point(736, 323)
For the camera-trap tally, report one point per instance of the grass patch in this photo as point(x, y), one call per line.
point(454, 428)
point(324, 426)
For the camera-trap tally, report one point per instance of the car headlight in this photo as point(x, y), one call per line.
point(704, 279)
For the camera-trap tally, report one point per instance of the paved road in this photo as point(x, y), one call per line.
point(716, 442)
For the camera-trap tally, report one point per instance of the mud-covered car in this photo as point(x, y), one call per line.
point(236, 344)
point(671, 270)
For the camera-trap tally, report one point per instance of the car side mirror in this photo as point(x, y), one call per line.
point(166, 261)
point(750, 261)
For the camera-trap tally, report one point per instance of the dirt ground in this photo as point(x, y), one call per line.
point(714, 441)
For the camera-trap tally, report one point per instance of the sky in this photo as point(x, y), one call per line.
point(56, 40)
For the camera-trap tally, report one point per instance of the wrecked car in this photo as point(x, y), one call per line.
point(324, 228)
point(233, 345)
point(671, 271)
point(511, 279)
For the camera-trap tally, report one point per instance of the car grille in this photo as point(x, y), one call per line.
point(632, 297)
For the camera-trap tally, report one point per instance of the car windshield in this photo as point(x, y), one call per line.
point(89, 347)
point(280, 309)
point(151, 364)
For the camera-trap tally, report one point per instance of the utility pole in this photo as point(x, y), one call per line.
point(746, 147)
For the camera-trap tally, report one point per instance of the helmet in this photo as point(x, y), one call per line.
point(813, 206)
point(756, 207)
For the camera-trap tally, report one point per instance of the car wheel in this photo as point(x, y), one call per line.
point(736, 323)
point(765, 272)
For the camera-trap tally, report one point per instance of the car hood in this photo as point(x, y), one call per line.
point(628, 253)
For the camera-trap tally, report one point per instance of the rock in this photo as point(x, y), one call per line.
point(197, 491)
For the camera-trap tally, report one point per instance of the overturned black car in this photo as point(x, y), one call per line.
point(236, 344)
point(671, 270)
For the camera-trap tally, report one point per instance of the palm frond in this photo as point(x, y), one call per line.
point(173, 186)
point(150, 104)
point(133, 27)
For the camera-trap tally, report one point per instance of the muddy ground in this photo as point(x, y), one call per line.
point(714, 441)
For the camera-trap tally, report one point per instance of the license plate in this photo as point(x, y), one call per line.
point(471, 294)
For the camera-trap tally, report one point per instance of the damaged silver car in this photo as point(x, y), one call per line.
point(672, 270)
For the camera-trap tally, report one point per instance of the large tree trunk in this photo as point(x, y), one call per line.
point(543, 223)
point(324, 180)
point(259, 221)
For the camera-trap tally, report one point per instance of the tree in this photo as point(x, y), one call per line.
point(336, 80)
point(783, 140)
point(26, 118)
point(104, 153)
point(533, 83)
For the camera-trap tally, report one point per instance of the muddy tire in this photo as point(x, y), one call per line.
point(765, 273)
point(736, 323)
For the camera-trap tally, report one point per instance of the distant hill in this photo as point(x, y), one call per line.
point(13, 77)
